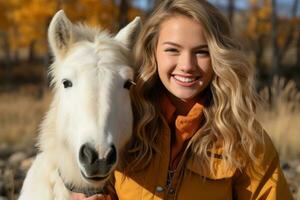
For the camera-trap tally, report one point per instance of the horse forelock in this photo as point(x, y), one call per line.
point(109, 50)
point(100, 37)
point(83, 32)
point(104, 42)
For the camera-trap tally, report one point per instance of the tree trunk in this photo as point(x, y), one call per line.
point(46, 63)
point(7, 62)
point(275, 53)
point(123, 13)
point(231, 9)
point(31, 54)
point(156, 2)
point(259, 49)
point(298, 47)
point(290, 36)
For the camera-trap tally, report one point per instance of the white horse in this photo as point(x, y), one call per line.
point(90, 118)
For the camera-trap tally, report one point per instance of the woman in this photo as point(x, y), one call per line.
point(195, 134)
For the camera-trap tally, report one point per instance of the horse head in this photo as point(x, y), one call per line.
point(91, 112)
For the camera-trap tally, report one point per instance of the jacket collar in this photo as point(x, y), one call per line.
point(183, 127)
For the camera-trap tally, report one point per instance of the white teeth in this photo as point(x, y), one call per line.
point(184, 79)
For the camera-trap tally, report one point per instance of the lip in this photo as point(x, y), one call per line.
point(95, 178)
point(186, 84)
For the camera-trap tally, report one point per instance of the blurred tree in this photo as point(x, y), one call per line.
point(298, 43)
point(103, 13)
point(5, 22)
point(29, 21)
point(258, 28)
point(288, 32)
point(123, 13)
point(265, 28)
point(275, 52)
point(231, 9)
point(24, 23)
point(156, 2)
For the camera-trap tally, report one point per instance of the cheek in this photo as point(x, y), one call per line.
point(205, 65)
point(206, 69)
point(165, 63)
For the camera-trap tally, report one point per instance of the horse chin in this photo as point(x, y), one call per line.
point(88, 188)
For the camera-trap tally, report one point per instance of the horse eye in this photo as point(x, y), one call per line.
point(67, 83)
point(128, 84)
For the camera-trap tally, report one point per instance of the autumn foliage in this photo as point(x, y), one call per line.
point(23, 23)
point(260, 28)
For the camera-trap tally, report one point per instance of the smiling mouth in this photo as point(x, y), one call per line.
point(186, 81)
point(94, 178)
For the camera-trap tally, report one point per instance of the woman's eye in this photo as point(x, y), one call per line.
point(67, 83)
point(128, 84)
point(202, 53)
point(172, 50)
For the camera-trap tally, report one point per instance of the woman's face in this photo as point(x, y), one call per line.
point(183, 59)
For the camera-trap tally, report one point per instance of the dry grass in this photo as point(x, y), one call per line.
point(20, 115)
point(280, 116)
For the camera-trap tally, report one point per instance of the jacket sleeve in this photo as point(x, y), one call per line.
point(265, 181)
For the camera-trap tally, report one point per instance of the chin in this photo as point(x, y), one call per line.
point(186, 97)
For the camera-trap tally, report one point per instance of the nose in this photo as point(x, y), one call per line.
point(187, 62)
point(87, 154)
point(89, 158)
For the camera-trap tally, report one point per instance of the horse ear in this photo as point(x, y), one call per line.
point(128, 34)
point(60, 34)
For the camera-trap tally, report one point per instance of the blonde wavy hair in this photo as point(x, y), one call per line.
point(229, 118)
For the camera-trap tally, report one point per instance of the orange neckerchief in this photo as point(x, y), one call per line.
point(184, 127)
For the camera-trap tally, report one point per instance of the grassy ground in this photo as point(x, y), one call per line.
point(280, 116)
point(20, 115)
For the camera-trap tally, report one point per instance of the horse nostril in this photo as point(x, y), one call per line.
point(87, 154)
point(112, 156)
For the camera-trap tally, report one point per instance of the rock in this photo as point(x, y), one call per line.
point(5, 151)
point(31, 152)
point(285, 166)
point(17, 158)
point(2, 164)
point(25, 164)
point(298, 169)
point(289, 174)
point(2, 188)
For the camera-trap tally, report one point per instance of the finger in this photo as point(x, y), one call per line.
point(96, 197)
point(77, 196)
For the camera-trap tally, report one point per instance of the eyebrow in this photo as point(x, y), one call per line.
point(197, 47)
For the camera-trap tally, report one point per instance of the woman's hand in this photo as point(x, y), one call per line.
point(79, 196)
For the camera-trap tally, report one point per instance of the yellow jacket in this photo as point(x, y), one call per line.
point(188, 182)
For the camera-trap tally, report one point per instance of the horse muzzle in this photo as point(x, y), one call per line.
point(95, 168)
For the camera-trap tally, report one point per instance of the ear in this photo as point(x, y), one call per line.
point(60, 34)
point(127, 34)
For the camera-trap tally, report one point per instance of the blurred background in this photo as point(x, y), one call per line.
point(268, 30)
